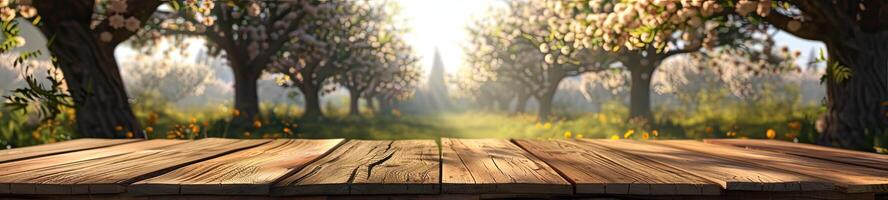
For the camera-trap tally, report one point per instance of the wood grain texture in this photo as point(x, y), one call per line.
point(246, 172)
point(730, 174)
point(872, 160)
point(15, 154)
point(850, 177)
point(484, 166)
point(369, 167)
point(599, 170)
point(110, 174)
point(25, 166)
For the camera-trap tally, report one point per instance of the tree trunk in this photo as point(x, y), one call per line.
point(312, 102)
point(385, 106)
point(857, 109)
point(521, 104)
point(502, 103)
point(353, 103)
point(93, 80)
point(640, 91)
point(370, 105)
point(545, 109)
point(246, 98)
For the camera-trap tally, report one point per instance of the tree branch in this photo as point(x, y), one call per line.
point(808, 30)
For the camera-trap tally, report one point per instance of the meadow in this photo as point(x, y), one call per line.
point(162, 120)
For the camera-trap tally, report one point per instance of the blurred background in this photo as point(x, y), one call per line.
point(421, 69)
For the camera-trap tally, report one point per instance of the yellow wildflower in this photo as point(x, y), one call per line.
point(579, 135)
point(547, 125)
point(771, 134)
point(287, 131)
point(645, 136)
point(615, 137)
point(129, 134)
point(149, 130)
point(795, 125)
point(538, 125)
point(152, 119)
point(567, 134)
point(628, 133)
point(880, 149)
point(655, 133)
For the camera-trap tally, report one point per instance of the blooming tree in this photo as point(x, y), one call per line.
point(390, 75)
point(247, 33)
point(83, 35)
point(624, 28)
point(854, 32)
point(333, 43)
point(519, 30)
point(397, 81)
point(168, 79)
point(389, 71)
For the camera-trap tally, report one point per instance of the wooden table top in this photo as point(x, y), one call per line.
point(451, 168)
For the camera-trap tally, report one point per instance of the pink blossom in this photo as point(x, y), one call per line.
point(117, 6)
point(116, 21)
point(133, 24)
point(105, 36)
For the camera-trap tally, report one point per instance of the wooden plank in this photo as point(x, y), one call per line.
point(595, 169)
point(873, 160)
point(369, 167)
point(24, 166)
point(15, 154)
point(247, 172)
point(485, 166)
point(851, 177)
point(111, 174)
point(730, 174)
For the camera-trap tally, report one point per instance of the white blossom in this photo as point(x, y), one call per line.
point(27, 11)
point(7, 14)
point(19, 41)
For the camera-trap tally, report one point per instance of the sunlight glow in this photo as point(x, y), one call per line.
point(442, 25)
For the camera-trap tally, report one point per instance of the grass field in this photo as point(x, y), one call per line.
point(282, 121)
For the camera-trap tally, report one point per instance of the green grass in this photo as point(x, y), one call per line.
point(282, 121)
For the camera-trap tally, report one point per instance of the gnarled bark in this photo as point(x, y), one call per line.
point(90, 69)
point(94, 82)
point(856, 110)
